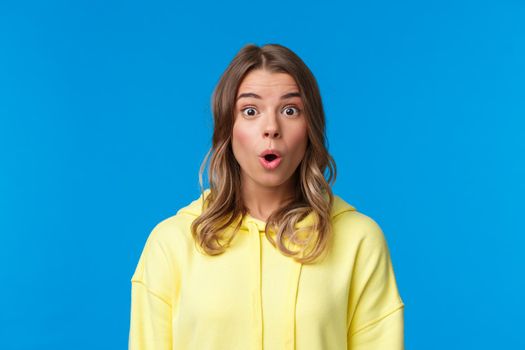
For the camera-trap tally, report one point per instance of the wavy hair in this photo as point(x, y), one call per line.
point(223, 206)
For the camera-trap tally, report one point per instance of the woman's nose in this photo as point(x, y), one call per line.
point(271, 134)
point(271, 129)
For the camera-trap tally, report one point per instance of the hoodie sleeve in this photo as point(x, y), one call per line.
point(375, 306)
point(153, 286)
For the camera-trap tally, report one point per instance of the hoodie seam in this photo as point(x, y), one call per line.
point(150, 291)
point(344, 211)
point(378, 319)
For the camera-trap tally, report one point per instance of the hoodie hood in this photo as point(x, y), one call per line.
point(195, 209)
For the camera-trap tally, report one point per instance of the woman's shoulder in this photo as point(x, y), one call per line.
point(170, 228)
point(177, 226)
point(349, 222)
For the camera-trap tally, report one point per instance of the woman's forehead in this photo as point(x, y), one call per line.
point(264, 80)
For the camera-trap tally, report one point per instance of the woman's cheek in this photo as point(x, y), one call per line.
point(242, 138)
point(299, 139)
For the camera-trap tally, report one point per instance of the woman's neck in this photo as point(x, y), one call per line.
point(261, 201)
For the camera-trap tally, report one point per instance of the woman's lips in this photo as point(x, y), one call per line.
point(270, 165)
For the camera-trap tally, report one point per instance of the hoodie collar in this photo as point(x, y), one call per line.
point(195, 209)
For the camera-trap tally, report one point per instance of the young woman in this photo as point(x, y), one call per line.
point(267, 257)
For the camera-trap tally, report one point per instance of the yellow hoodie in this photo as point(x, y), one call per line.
point(253, 297)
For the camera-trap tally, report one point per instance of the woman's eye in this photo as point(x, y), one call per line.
point(289, 111)
point(249, 111)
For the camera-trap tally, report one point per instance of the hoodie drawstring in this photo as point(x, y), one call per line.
point(295, 269)
point(253, 231)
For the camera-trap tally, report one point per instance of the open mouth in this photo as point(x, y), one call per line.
point(270, 161)
point(270, 157)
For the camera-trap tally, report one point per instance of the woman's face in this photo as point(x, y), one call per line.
point(269, 117)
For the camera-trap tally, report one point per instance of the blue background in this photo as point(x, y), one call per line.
point(105, 119)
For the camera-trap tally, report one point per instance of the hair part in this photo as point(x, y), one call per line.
point(224, 207)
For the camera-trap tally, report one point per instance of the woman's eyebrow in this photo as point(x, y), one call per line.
point(283, 97)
